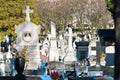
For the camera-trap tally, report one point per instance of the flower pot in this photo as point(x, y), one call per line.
point(19, 65)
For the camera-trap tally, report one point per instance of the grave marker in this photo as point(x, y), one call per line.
point(70, 55)
point(27, 36)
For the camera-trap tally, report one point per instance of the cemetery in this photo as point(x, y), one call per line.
point(69, 56)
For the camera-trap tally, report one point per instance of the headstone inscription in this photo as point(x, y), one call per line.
point(27, 36)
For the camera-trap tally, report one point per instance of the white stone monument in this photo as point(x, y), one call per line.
point(70, 55)
point(61, 47)
point(53, 50)
point(27, 36)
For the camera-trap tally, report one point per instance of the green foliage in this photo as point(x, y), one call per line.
point(11, 15)
point(110, 5)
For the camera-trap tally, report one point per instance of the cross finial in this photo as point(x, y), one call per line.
point(27, 11)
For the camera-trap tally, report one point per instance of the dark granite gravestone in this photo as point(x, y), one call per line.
point(82, 50)
point(107, 39)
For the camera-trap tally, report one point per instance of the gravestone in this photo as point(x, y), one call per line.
point(27, 36)
point(110, 52)
point(82, 49)
point(53, 50)
point(107, 39)
point(70, 55)
point(97, 66)
point(98, 49)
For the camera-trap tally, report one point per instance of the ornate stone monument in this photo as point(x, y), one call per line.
point(27, 36)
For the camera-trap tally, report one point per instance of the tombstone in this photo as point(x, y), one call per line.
point(27, 36)
point(70, 55)
point(98, 49)
point(53, 50)
point(62, 45)
point(82, 49)
point(98, 67)
point(107, 39)
point(110, 52)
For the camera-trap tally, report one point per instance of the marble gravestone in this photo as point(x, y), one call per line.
point(53, 50)
point(70, 55)
point(27, 36)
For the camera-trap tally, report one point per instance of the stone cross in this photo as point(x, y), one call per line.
point(70, 54)
point(70, 35)
point(98, 49)
point(27, 11)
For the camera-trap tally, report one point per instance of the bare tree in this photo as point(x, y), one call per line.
point(91, 15)
point(86, 14)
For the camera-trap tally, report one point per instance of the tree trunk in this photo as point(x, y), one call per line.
point(116, 17)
